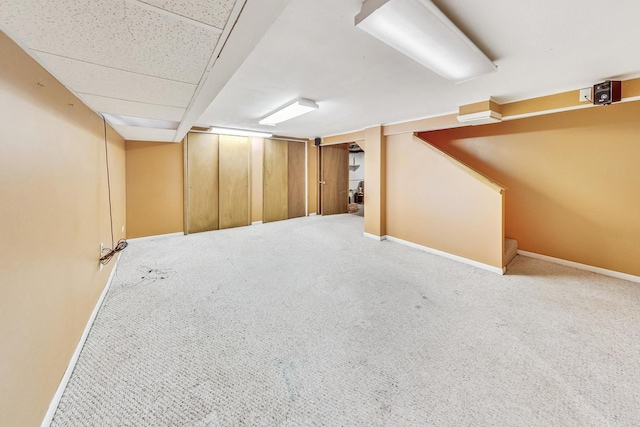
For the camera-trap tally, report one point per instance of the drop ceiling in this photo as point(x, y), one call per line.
point(230, 63)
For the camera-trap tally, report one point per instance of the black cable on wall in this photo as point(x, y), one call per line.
point(122, 243)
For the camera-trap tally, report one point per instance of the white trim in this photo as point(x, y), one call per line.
point(562, 109)
point(256, 222)
point(545, 112)
point(348, 132)
point(481, 265)
point(480, 118)
point(158, 236)
point(313, 213)
point(434, 116)
point(53, 406)
point(585, 267)
point(374, 237)
point(288, 138)
point(346, 141)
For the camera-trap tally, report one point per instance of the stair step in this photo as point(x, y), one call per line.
point(510, 250)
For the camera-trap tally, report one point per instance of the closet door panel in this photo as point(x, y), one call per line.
point(275, 181)
point(296, 181)
point(202, 182)
point(233, 181)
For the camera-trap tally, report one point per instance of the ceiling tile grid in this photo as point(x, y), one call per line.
point(137, 58)
point(93, 79)
point(132, 108)
point(120, 34)
point(214, 13)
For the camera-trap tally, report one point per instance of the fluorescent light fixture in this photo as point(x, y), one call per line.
point(421, 31)
point(289, 111)
point(120, 120)
point(480, 118)
point(239, 132)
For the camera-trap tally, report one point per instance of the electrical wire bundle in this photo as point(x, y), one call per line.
point(104, 259)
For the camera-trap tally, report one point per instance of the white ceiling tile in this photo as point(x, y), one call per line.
point(131, 108)
point(134, 133)
point(215, 13)
point(93, 79)
point(123, 34)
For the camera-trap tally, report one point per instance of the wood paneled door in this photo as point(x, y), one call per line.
point(275, 181)
point(296, 172)
point(201, 187)
point(334, 179)
point(233, 181)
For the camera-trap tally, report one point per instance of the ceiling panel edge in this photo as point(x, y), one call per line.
point(255, 20)
point(134, 133)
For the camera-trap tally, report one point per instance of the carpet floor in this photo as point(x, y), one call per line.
point(306, 322)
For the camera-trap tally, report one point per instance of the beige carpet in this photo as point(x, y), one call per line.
point(308, 323)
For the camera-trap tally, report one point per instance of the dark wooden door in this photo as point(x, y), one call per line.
point(334, 179)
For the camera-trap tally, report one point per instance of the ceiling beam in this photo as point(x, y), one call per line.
point(254, 20)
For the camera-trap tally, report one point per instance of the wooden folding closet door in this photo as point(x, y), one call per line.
point(202, 182)
point(275, 181)
point(295, 182)
point(233, 181)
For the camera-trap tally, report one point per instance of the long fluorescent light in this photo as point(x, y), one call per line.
point(289, 111)
point(421, 31)
point(239, 132)
point(118, 119)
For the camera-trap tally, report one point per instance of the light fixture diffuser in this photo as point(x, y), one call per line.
point(418, 29)
point(239, 132)
point(289, 111)
point(121, 120)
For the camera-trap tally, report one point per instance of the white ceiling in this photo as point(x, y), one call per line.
point(164, 59)
point(314, 51)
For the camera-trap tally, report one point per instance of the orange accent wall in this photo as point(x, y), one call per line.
point(155, 188)
point(434, 201)
point(573, 179)
point(54, 214)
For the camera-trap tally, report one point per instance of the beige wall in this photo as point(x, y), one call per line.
point(53, 216)
point(155, 188)
point(573, 180)
point(436, 202)
point(375, 167)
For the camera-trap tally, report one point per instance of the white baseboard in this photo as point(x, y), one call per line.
point(256, 222)
point(603, 271)
point(477, 264)
point(159, 236)
point(53, 406)
point(374, 237)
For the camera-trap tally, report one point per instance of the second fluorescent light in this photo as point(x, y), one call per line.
point(421, 31)
point(239, 132)
point(295, 109)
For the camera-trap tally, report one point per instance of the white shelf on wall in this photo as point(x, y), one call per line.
point(354, 167)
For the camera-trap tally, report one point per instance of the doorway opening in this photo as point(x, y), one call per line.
point(356, 179)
